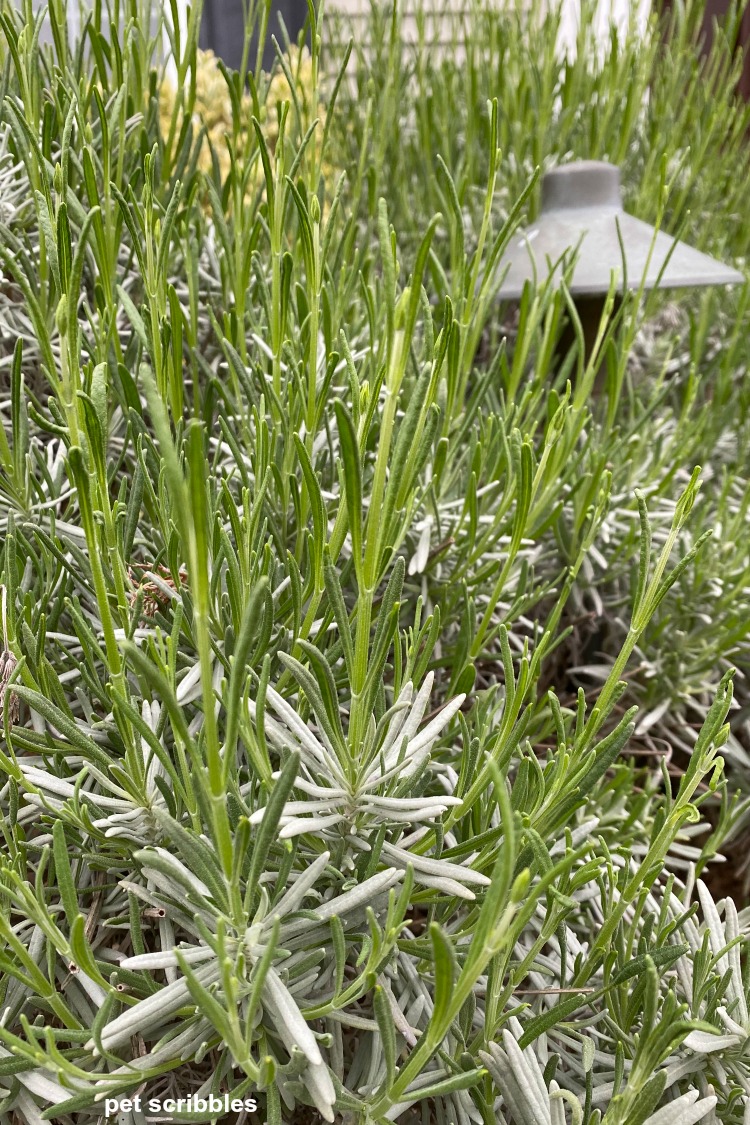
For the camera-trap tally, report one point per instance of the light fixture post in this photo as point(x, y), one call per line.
point(582, 215)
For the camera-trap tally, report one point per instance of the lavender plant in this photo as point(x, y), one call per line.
point(367, 684)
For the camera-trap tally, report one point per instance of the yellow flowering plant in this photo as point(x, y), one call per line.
point(214, 115)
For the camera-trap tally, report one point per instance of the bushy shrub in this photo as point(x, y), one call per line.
point(365, 673)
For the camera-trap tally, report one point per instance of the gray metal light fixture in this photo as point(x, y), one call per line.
point(581, 211)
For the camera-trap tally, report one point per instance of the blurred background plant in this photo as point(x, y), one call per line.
point(364, 675)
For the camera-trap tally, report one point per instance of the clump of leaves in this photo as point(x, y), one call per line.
point(366, 681)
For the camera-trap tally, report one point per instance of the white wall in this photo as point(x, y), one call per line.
point(619, 12)
point(182, 6)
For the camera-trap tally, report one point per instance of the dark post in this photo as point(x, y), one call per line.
point(718, 10)
point(223, 28)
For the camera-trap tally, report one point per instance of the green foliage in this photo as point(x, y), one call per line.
point(365, 669)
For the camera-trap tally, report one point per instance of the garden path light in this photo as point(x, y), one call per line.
point(582, 215)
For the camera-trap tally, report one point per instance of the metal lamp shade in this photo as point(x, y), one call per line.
point(580, 213)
